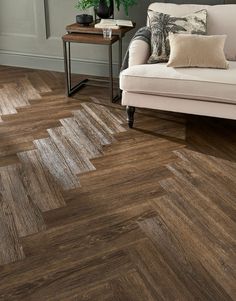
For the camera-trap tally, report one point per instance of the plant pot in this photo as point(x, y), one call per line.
point(84, 20)
point(104, 11)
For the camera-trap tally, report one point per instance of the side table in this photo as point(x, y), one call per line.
point(91, 35)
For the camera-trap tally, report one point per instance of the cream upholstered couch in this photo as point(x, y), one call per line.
point(200, 91)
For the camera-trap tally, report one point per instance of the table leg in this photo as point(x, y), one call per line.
point(120, 54)
point(67, 63)
point(118, 96)
point(66, 67)
point(110, 73)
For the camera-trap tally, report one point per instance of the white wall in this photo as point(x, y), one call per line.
point(31, 30)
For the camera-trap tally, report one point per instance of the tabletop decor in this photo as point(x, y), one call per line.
point(84, 19)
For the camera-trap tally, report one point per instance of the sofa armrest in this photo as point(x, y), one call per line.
point(139, 52)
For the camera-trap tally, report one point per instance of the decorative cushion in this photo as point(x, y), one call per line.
point(188, 50)
point(163, 24)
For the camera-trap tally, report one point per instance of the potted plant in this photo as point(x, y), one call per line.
point(105, 8)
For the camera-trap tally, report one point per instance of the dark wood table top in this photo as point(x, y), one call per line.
point(88, 38)
point(77, 28)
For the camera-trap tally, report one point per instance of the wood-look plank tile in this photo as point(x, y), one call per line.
point(56, 163)
point(103, 116)
point(124, 178)
point(66, 275)
point(100, 292)
point(91, 236)
point(158, 276)
point(88, 204)
point(223, 190)
point(189, 268)
point(25, 88)
point(201, 207)
point(130, 287)
point(39, 183)
point(28, 218)
point(76, 159)
point(10, 247)
point(207, 250)
point(38, 82)
point(6, 107)
point(77, 136)
point(89, 128)
point(13, 96)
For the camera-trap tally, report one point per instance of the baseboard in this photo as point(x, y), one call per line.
point(90, 67)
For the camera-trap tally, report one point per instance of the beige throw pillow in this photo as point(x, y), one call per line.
point(187, 50)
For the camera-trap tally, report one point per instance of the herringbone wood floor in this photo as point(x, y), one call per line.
point(91, 210)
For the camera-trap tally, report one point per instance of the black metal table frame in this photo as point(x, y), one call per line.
point(67, 62)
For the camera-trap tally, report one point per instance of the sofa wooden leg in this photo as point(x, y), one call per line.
point(130, 112)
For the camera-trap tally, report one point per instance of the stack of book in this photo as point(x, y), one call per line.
point(113, 24)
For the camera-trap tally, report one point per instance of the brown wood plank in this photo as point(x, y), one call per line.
point(10, 247)
point(158, 276)
point(109, 231)
point(181, 259)
point(39, 183)
point(28, 218)
point(66, 275)
point(207, 251)
point(130, 287)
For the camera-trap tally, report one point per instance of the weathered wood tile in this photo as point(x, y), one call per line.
point(99, 292)
point(39, 183)
point(108, 232)
point(104, 117)
point(130, 287)
point(76, 159)
point(202, 208)
point(88, 204)
point(28, 218)
point(38, 82)
point(76, 134)
point(25, 88)
point(206, 248)
point(90, 129)
point(66, 275)
point(179, 254)
point(56, 163)
point(224, 190)
point(10, 247)
point(158, 276)
point(6, 106)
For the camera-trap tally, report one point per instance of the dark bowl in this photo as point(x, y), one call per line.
point(84, 19)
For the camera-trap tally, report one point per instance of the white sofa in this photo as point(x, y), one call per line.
point(200, 91)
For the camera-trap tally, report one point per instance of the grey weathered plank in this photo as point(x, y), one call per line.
point(56, 163)
point(76, 158)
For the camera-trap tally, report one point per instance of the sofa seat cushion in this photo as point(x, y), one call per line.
point(191, 83)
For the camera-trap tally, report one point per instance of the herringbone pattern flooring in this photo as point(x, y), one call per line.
point(93, 211)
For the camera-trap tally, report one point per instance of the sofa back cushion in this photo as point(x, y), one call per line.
point(221, 20)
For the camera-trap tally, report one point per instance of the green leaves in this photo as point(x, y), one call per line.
point(85, 4)
point(126, 4)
